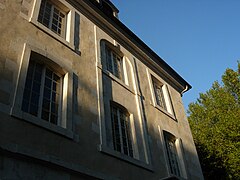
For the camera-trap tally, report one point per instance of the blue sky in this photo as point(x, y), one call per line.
point(197, 38)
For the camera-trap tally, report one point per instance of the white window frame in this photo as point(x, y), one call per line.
point(106, 145)
point(126, 129)
point(172, 155)
point(159, 94)
point(50, 24)
point(42, 91)
point(64, 126)
point(179, 153)
point(153, 78)
point(114, 65)
point(123, 79)
point(68, 38)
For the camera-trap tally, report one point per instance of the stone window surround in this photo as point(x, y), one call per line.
point(68, 40)
point(180, 154)
point(116, 50)
point(125, 130)
point(169, 111)
point(65, 128)
point(55, 19)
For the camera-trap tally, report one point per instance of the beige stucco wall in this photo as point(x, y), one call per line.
point(94, 89)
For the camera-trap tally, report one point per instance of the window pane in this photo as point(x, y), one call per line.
point(121, 138)
point(35, 98)
point(46, 104)
point(53, 119)
point(48, 83)
point(47, 93)
point(33, 109)
point(45, 115)
point(32, 88)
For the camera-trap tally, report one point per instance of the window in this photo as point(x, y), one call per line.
point(114, 62)
point(172, 154)
point(158, 90)
point(53, 17)
point(42, 92)
point(121, 130)
point(160, 95)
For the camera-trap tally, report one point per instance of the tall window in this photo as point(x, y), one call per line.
point(121, 130)
point(42, 92)
point(158, 90)
point(172, 154)
point(53, 17)
point(114, 62)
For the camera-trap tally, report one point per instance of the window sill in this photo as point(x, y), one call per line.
point(44, 124)
point(55, 36)
point(116, 154)
point(159, 108)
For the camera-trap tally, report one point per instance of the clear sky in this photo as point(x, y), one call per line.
point(197, 38)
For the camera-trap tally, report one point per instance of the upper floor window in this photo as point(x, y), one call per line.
point(53, 17)
point(42, 92)
point(114, 62)
point(160, 94)
point(122, 141)
point(158, 90)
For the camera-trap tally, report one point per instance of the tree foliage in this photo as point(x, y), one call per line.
point(215, 122)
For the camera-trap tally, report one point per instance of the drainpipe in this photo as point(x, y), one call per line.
point(186, 88)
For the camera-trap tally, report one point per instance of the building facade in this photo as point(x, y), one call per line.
point(82, 97)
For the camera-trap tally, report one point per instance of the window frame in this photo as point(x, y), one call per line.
point(114, 50)
point(114, 63)
point(172, 156)
point(68, 39)
point(106, 145)
point(159, 94)
point(51, 16)
point(64, 126)
point(127, 125)
point(164, 136)
point(42, 87)
point(154, 80)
